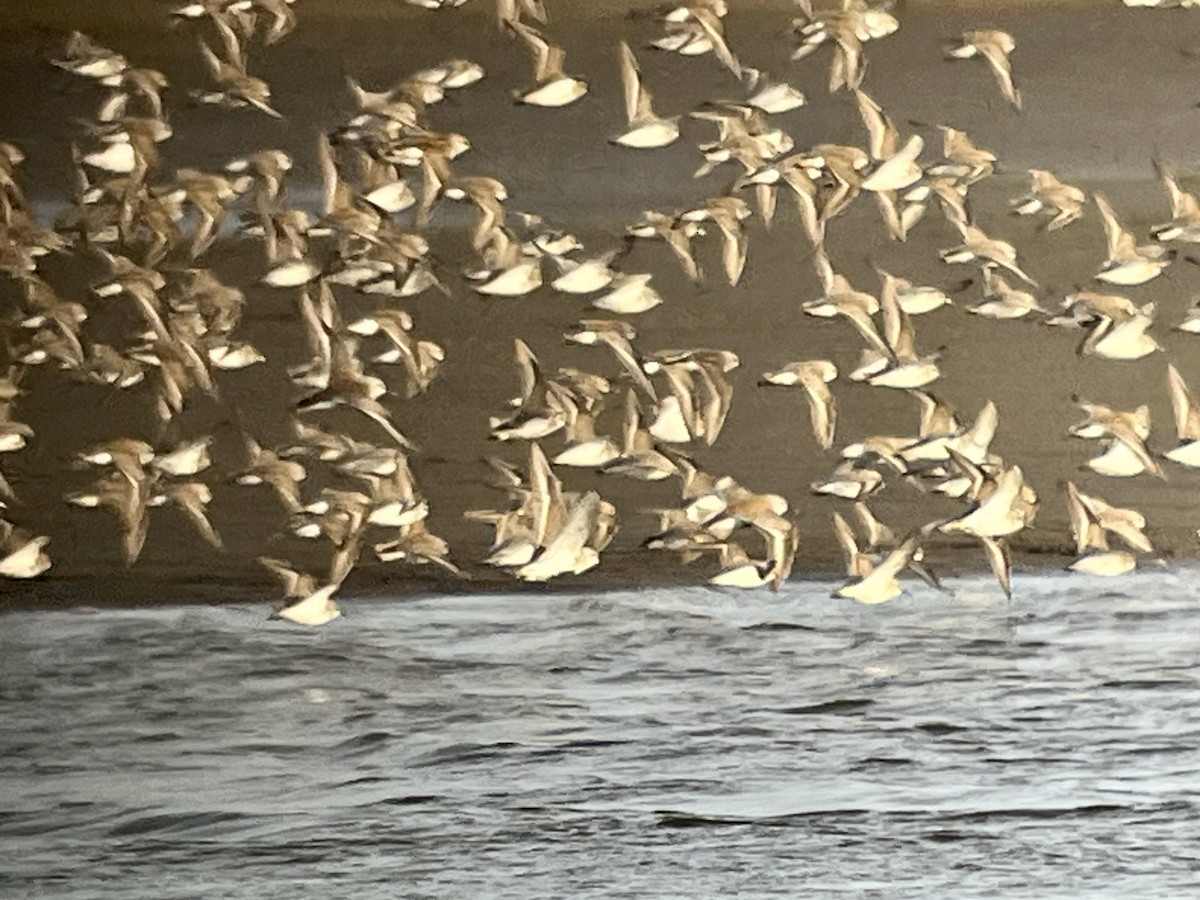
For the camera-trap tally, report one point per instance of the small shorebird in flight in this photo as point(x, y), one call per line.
point(85, 57)
point(1187, 421)
point(814, 376)
point(1125, 337)
point(311, 602)
point(986, 251)
point(676, 231)
point(1092, 519)
point(1127, 432)
point(617, 336)
point(629, 295)
point(1185, 213)
point(646, 128)
point(995, 47)
point(511, 270)
point(878, 583)
point(571, 550)
point(235, 87)
point(1191, 322)
point(770, 96)
point(268, 467)
point(1047, 193)
point(728, 214)
point(1002, 301)
point(553, 87)
point(21, 555)
point(781, 540)
point(1127, 263)
point(192, 498)
point(509, 12)
point(702, 24)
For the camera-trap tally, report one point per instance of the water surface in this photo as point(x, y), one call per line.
point(657, 743)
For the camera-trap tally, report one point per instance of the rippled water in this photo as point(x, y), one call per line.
point(671, 742)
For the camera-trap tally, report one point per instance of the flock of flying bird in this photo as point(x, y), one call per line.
point(387, 169)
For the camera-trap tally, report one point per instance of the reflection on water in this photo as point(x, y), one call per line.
point(680, 742)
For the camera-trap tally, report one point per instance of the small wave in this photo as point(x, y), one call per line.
point(1149, 684)
point(278, 672)
point(408, 800)
point(1144, 615)
point(463, 752)
point(157, 737)
point(364, 742)
point(830, 707)
point(669, 819)
point(1053, 812)
point(1159, 749)
point(950, 836)
point(272, 748)
point(173, 822)
point(874, 761)
point(940, 728)
point(582, 743)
